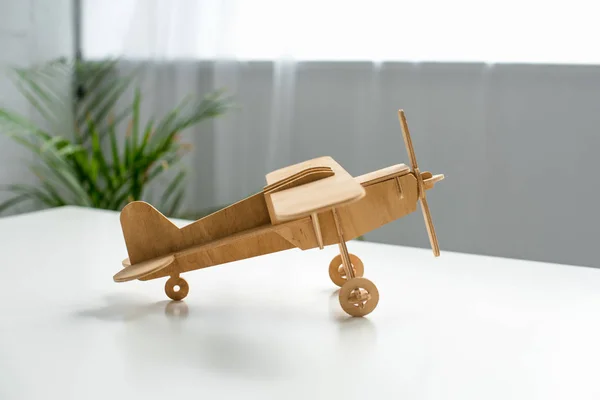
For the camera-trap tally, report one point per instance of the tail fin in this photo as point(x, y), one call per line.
point(148, 234)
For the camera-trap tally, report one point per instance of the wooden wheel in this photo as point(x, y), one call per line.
point(176, 288)
point(337, 272)
point(358, 297)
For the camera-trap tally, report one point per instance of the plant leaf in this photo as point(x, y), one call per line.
point(176, 203)
point(59, 168)
point(41, 91)
point(172, 187)
point(136, 118)
point(13, 201)
point(147, 132)
point(32, 192)
point(103, 100)
point(16, 121)
point(116, 166)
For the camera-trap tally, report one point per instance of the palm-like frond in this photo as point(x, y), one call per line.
point(81, 159)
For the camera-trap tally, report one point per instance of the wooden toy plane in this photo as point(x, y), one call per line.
point(312, 204)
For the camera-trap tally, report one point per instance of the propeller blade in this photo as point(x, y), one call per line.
point(422, 198)
point(430, 228)
point(407, 140)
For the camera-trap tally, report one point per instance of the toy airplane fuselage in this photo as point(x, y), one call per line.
point(246, 229)
point(308, 205)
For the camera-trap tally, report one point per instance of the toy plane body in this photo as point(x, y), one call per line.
point(308, 205)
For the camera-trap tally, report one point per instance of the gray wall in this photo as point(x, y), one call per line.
point(31, 31)
point(517, 144)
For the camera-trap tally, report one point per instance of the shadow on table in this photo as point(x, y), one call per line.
point(352, 331)
point(125, 308)
point(163, 334)
point(256, 343)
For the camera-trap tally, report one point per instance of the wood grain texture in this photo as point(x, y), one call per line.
point(143, 268)
point(379, 206)
point(429, 226)
point(337, 274)
point(311, 204)
point(226, 236)
point(358, 297)
point(306, 176)
point(176, 288)
point(382, 174)
point(317, 229)
point(430, 182)
point(314, 172)
point(292, 170)
point(342, 245)
point(244, 229)
point(317, 196)
point(420, 183)
point(407, 139)
point(237, 248)
point(300, 233)
point(148, 234)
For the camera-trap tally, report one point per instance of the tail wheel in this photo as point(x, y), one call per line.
point(337, 272)
point(359, 297)
point(176, 288)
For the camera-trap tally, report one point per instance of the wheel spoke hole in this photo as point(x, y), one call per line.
point(342, 271)
point(358, 296)
point(337, 272)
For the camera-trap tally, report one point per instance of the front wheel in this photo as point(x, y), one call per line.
point(176, 288)
point(359, 297)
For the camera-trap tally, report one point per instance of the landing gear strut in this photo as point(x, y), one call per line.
point(358, 296)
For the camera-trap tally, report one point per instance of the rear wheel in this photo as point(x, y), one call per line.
point(337, 273)
point(176, 288)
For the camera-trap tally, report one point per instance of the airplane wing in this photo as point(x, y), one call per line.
point(287, 172)
point(332, 190)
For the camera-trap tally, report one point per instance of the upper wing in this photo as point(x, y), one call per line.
point(316, 196)
point(282, 174)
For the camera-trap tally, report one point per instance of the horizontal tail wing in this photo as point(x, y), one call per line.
point(143, 268)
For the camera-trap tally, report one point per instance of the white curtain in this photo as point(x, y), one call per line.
point(507, 31)
point(193, 47)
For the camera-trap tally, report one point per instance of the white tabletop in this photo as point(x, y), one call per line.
point(456, 327)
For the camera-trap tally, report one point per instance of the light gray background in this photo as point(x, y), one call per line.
point(517, 143)
point(31, 31)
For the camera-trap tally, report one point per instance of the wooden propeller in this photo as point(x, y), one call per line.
point(421, 186)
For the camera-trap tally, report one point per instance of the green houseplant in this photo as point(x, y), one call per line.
point(89, 151)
